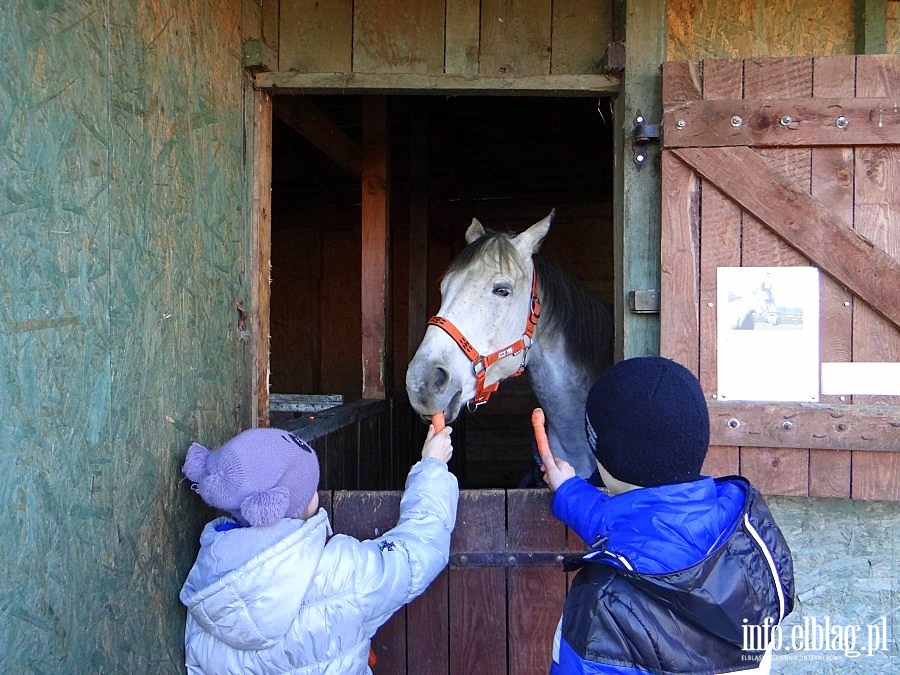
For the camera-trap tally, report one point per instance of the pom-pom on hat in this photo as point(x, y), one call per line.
point(647, 422)
point(260, 476)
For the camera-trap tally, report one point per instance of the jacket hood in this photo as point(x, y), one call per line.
point(687, 520)
point(745, 579)
point(248, 583)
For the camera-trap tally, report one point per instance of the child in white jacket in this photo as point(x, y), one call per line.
point(271, 590)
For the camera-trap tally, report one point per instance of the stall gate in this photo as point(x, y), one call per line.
point(494, 610)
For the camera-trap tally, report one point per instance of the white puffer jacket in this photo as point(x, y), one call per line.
point(287, 599)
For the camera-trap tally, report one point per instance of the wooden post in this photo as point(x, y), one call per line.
point(871, 26)
point(418, 228)
point(260, 257)
point(375, 239)
point(636, 193)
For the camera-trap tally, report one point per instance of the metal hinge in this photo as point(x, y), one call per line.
point(642, 134)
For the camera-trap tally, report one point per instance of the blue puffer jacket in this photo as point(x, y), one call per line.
point(677, 579)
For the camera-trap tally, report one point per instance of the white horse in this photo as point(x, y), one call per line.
point(506, 309)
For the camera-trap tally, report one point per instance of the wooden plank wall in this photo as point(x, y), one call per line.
point(458, 37)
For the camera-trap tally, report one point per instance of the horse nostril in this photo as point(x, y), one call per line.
point(440, 380)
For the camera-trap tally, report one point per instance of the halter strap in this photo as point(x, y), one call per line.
point(480, 363)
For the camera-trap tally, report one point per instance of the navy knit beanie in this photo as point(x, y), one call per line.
point(647, 422)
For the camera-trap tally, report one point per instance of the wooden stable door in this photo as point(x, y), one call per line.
point(782, 163)
point(494, 610)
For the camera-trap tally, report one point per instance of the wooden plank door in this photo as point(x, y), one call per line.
point(494, 610)
point(788, 162)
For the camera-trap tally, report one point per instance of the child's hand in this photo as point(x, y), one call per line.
point(556, 471)
point(438, 444)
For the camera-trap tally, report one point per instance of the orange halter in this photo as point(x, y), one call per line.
point(480, 363)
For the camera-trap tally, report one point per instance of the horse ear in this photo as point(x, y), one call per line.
point(531, 239)
point(475, 231)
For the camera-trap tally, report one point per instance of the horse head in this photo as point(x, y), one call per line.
point(482, 332)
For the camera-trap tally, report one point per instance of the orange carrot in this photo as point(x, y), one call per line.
point(437, 420)
point(540, 436)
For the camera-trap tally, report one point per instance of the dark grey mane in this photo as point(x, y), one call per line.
point(567, 307)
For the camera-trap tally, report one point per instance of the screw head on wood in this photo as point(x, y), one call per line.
point(785, 120)
point(681, 124)
point(737, 121)
point(841, 122)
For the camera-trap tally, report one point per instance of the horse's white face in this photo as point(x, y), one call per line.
point(489, 302)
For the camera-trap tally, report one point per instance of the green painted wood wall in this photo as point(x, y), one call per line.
point(122, 235)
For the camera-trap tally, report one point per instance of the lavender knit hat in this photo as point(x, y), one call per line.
point(260, 476)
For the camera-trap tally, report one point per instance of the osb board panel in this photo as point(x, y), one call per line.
point(718, 29)
point(121, 238)
point(845, 569)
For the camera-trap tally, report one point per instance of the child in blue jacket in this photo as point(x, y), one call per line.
point(686, 573)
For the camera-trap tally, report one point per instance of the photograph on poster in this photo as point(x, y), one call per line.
point(768, 333)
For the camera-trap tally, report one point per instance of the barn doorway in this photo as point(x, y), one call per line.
point(506, 160)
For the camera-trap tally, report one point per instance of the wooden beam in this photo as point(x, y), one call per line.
point(636, 192)
point(446, 85)
point(804, 222)
point(418, 228)
point(260, 257)
point(375, 245)
point(837, 426)
point(305, 117)
point(787, 122)
point(679, 316)
point(870, 18)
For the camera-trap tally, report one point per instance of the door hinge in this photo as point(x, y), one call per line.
point(642, 134)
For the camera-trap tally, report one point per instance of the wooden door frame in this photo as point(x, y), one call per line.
point(267, 85)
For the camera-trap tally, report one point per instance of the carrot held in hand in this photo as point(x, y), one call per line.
point(540, 436)
point(437, 421)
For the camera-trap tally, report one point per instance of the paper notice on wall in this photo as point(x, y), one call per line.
point(768, 333)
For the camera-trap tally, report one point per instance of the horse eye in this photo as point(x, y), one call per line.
point(502, 290)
